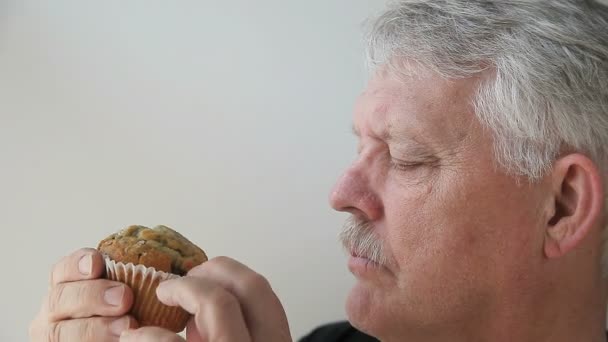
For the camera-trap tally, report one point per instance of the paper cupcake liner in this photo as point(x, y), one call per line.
point(147, 309)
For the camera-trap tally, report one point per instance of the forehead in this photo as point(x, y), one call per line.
point(422, 106)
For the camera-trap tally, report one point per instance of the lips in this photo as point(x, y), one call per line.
point(364, 268)
point(363, 256)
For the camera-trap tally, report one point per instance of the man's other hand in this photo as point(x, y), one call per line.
point(229, 303)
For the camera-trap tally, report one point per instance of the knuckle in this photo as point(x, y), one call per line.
point(64, 297)
point(55, 299)
point(222, 299)
point(222, 259)
point(61, 332)
point(219, 260)
point(54, 332)
point(255, 282)
point(196, 269)
point(87, 330)
point(82, 292)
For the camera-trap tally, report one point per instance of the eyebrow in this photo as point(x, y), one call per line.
point(413, 145)
point(386, 135)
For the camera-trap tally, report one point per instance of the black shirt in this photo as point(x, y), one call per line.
point(339, 332)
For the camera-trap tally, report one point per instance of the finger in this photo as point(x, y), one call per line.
point(86, 263)
point(192, 334)
point(218, 315)
point(150, 334)
point(96, 329)
point(263, 311)
point(87, 298)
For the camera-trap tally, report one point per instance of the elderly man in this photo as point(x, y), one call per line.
point(477, 197)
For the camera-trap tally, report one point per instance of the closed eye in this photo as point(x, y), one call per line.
point(403, 165)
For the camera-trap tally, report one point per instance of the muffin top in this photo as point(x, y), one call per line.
point(162, 248)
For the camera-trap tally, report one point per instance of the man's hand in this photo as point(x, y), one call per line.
point(81, 307)
point(229, 301)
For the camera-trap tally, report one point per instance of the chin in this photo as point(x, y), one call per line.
point(366, 310)
point(382, 313)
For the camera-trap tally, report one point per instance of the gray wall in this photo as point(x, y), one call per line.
point(227, 120)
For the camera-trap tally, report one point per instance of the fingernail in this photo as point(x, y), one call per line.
point(163, 283)
point(162, 286)
point(113, 295)
point(85, 263)
point(119, 326)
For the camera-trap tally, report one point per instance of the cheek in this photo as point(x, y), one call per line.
point(459, 228)
point(412, 222)
point(489, 230)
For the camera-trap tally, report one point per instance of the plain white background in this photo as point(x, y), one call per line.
point(226, 120)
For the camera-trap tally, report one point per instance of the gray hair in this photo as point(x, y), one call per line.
point(548, 93)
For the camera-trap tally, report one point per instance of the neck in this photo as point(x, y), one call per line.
point(560, 322)
point(574, 311)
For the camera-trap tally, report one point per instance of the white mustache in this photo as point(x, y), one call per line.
point(359, 239)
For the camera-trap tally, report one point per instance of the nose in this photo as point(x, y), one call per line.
point(353, 193)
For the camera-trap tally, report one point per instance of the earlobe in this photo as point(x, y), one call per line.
point(552, 248)
point(577, 202)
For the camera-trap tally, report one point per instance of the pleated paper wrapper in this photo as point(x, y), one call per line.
point(147, 309)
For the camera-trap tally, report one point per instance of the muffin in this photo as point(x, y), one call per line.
point(141, 258)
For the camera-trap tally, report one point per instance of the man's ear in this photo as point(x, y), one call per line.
point(578, 199)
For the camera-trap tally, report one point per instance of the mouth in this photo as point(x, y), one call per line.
point(365, 248)
point(358, 255)
point(362, 266)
